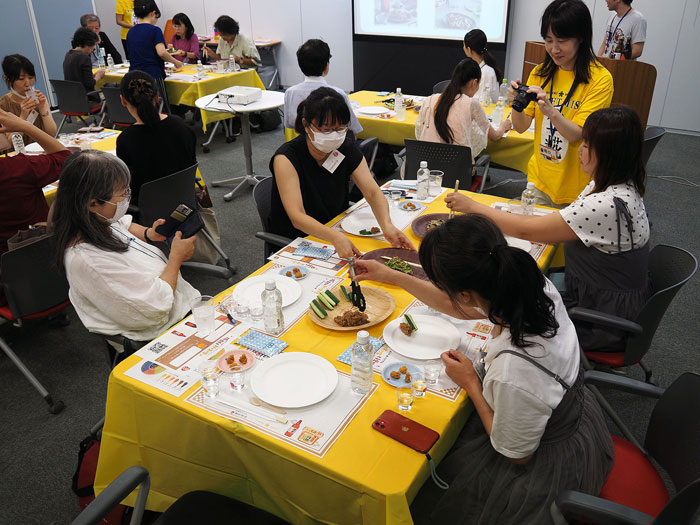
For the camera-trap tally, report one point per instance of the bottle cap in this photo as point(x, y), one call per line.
point(363, 337)
point(423, 163)
point(270, 284)
point(398, 91)
point(530, 185)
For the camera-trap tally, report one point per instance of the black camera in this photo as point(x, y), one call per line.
point(523, 98)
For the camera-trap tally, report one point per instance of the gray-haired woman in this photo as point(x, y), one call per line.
point(119, 282)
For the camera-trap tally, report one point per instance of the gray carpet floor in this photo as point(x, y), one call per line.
point(38, 451)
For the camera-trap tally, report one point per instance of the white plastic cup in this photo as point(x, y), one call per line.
point(204, 312)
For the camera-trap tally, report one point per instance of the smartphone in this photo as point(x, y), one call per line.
point(184, 219)
point(406, 431)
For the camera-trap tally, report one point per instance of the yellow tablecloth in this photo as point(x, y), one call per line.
point(365, 477)
point(513, 151)
point(185, 93)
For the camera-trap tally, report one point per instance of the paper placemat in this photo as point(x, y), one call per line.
point(329, 267)
point(410, 187)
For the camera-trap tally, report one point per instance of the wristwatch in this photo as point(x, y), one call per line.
point(145, 236)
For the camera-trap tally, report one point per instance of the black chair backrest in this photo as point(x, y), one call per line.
point(673, 434)
point(440, 86)
point(453, 160)
point(262, 193)
point(158, 198)
point(31, 281)
point(669, 268)
point(652, 136)
point(72, 97)
point(117, 113)
point(369, 148)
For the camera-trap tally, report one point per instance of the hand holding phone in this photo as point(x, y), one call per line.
point(183, 219)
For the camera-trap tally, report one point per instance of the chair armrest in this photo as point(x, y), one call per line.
point(601, 318)
point(401, 154)
point(273, 238)
point(115, 492)
point(625, 384)
point(95, 92)
point(482, 161)
point(578, 504)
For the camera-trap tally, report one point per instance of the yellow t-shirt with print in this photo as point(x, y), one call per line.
point(554, 167)
point(126, 8)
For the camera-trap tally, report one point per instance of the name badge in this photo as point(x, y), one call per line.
point(333, 160)
point(550, 154)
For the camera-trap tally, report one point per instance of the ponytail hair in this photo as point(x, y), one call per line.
point(469, 253)
point(139, 89)
point(476, 41)
point(466, 71)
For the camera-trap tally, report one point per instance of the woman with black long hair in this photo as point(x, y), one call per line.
point(455, 117)
point(475, 47)
point(569, 85)
point(184, 42)
point(536, 430)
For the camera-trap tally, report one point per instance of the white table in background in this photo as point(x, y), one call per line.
point(269, 100)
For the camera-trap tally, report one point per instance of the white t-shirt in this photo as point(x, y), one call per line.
point(621, 33)
point(592, 216)
point(122, 293)
point(521, 395)
point(489, 82)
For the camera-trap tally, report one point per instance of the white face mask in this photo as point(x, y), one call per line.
point(327, 142)
point(122, 207)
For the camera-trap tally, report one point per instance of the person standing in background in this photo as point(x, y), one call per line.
point(233, 43)
point(92, 21)
point(491, 75)
point(124, 14)
point(626, 32)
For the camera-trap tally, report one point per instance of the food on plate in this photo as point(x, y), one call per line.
point(434, 224)
point(297, 273)
point(407, 379)
point(372, 231)
point(243, 359)
point(409, 206)
point(390, 102)
point(403, 369)
point(324, 301)
point(288, 273)
point(397, 263)
point(345, 293)
point(231, 362)
point(411, 323)
point(406, 329)
point(351, 317)
point(319, 310)
point(395, 374)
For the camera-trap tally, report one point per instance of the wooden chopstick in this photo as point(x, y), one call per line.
point(452, 213)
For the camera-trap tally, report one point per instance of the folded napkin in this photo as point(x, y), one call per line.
point(404, 184)
point(262, 343)
point(312, 251)
point(346, 357)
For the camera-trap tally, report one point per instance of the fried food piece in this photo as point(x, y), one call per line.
point(231, 362)
point(407, 379)
point(288, 273)
point(403, 369)
point(351, 317)
point(410, 206)
point(434, 224)
point(406, 329)
point(375, 229)
point(243, 359)
point(297, 273)
point(395, 374)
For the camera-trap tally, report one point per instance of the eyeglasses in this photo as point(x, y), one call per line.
point(339, 130)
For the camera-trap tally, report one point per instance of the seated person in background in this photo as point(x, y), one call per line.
point(233, 43)
point(311, 185)
point(605, 230)
point(314, 58)
point(455, 116)
point(536, 430)
point(92, 21)
point(119, 282)
point(23, 99)
point(152, 132)
point(77, 66)
point(147, 51)
point(491, 75)
point(184, 41)
point(625, 33)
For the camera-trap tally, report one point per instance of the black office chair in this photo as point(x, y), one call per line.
point(453, 160)
point(635, 492)
point(652, 136)
point(262, 194)
point(440, 86)
point(35, 289)
point(158, 198)
point(118, 114)
point(73, 102)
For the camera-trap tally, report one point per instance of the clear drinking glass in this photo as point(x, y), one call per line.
point(236, 380)
point(405, 398)
point(210, 381)
point(241, 308)
point(396, 197)
point(256, 311)
point(418, 387)
point(432, 371)
point(435, 183)
point(204, 313)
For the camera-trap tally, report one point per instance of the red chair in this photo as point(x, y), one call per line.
point(73, 102)
point(35, 289)
point(635, 492)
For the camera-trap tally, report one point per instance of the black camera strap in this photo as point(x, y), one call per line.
point(570, 94)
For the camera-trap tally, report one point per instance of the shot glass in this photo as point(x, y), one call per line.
point(210, 381)
point(435, 183)
point(221, 66)
point(204, 313)
point(405, 399)
point(256, 311)
point(432, 371)
point(396, 197)
point(418, 387)
point(236, 380)
point(241, 309)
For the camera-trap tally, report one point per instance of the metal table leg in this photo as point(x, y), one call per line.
point(249, 176)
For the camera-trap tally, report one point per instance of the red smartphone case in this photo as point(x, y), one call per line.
point(406, 431)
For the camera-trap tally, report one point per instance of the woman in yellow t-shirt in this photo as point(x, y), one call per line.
point(125, 18)
point(569, 85)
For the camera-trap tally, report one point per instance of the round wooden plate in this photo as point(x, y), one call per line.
point(406, 255)
point(419, 225)
point(380, 305)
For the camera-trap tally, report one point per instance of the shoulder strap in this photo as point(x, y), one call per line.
point(538, 365)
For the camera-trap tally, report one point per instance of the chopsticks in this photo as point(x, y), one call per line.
point(407, 262)
point(452, 213)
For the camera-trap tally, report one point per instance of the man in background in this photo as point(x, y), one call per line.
point(625, 33)
point(233, 43)
point(92, 21)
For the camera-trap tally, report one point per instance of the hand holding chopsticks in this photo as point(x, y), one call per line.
point(452, 213)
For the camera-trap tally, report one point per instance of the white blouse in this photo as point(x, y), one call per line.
point(593, 217)
point(489, 82)
point(122, 293)
point(521, 395)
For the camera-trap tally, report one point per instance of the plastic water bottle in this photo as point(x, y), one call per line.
point(399, 106)
point(527, 199)
point(499, 110)
point(362, 354)
point(231, 63)
point(273, 319)
point(484, 96)
point(18, 143)
point(101, 58)
point(423, 178)
point(503, 90)
point(110, 62)
point(200, 69)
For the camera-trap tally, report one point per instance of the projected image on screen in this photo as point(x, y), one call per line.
point(445, 19)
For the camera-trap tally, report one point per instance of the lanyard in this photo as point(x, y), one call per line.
point(133, 243)
point(552, 129)
point(611, 33)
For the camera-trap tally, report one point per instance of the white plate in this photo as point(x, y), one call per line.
point(251, 288)
point(373, 110)
point(294, 380)
point(434, 336)
point(518, 243)
point(360, 220)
